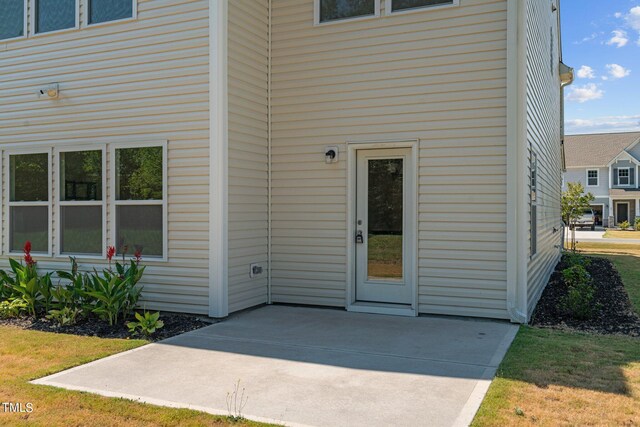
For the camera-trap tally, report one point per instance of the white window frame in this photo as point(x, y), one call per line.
point(115, 203)
point(628, 184)
point(597, 171)
point(25, 24)
point(85, 20)
point(32, 21)
point(388, 7)
point(60, 203)
point(316, 15)
point(10, 204)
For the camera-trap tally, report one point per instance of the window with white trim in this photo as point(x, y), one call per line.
point(406, 5)
point(139, 200)
point(336, 10)
point(623, 176)
point(12, 19)
point(592, 177)
point(100, 11)
point(29, 201)
point(81, 215)
point(54, 15)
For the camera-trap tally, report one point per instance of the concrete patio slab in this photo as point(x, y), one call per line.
point(313, 367)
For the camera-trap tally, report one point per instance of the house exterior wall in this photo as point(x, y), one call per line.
point(141, 80)
point(248, 32)
point(543, 138)
point(632, 176)
point(438, 76)
point(580, 175)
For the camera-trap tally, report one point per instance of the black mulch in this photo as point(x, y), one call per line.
point(174, 324)
point(614, 313)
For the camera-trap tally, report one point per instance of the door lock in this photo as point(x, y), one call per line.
point(359, 237)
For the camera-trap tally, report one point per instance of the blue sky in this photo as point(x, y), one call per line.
point(601, 41)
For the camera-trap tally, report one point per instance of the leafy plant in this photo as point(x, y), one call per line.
point(576, 275)
point(624, 225)
point(146, 324)
point(579, 301)
point(64, 316)
point(574, 258)
point(574, 202)
point(111, 296)
point(11, 309)
point(637, 224)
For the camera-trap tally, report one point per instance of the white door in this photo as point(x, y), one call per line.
point(385, 203)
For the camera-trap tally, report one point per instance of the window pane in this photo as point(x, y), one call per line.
point(385, 219)
point(342, 9)
point(11, 19)
point(139, 173)
point(81, 175)
point(81, 229)
point(29, 178)
point(52, 15)
point(109, 10)
point(416, 4)
point(29, 223)
point(139, 228)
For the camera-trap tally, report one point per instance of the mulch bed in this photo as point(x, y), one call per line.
point(614, 313)
point(174, 324)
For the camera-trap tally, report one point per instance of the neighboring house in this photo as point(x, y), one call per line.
point(607, 166)
point(389, 156)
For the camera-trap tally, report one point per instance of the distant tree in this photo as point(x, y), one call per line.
point(574, 202)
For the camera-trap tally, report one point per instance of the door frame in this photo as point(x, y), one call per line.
point(621, 202)
point(412, 221)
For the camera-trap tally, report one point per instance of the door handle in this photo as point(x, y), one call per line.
point(359, 237)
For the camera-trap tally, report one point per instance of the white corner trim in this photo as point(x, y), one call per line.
point(218, 155)
point(516, 163)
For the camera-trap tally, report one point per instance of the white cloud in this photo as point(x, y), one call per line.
point(617, 71)
point(633, 18)
point(586, 72)
point(604, 124)
point(585, 93)
point(593, 36)
point(619, 38)
point(618, 14)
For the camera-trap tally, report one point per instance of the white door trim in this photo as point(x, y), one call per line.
point(616, 219)
point(412, 274)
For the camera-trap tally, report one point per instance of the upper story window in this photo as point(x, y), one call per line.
point(54, 15)
point(623, 176)
point(110, 10)
point(592, 178)
point(12, 17)
point(402, 5)
point(334, 10)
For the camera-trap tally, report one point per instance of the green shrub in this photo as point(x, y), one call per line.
point(576, 275)
point(579, 301)
point(65, 316)
point(574, 258)
point(624, 225)
point(637, 224)
point(36, 291)
point(146, 324)
point(12, 309)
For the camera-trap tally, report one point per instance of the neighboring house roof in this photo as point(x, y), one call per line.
point(597, 149)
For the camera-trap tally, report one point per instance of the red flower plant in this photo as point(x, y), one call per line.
point(111, 251)
point(138, 255)
point(28, 259)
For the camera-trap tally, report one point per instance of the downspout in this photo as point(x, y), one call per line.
point(516, 144)
point(269, 173)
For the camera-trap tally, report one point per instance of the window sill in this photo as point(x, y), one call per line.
point(107, 23)
point(13, 39)
point(345, 20)
point(53, 33)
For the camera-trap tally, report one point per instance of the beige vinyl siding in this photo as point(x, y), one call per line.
point(438, 76)
point(248, 145)
point(143, 80)
point(543, 137)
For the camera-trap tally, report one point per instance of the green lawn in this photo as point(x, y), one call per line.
point(26, 355)
point(551, 378)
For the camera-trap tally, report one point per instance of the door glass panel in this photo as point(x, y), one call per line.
point(385, 219)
